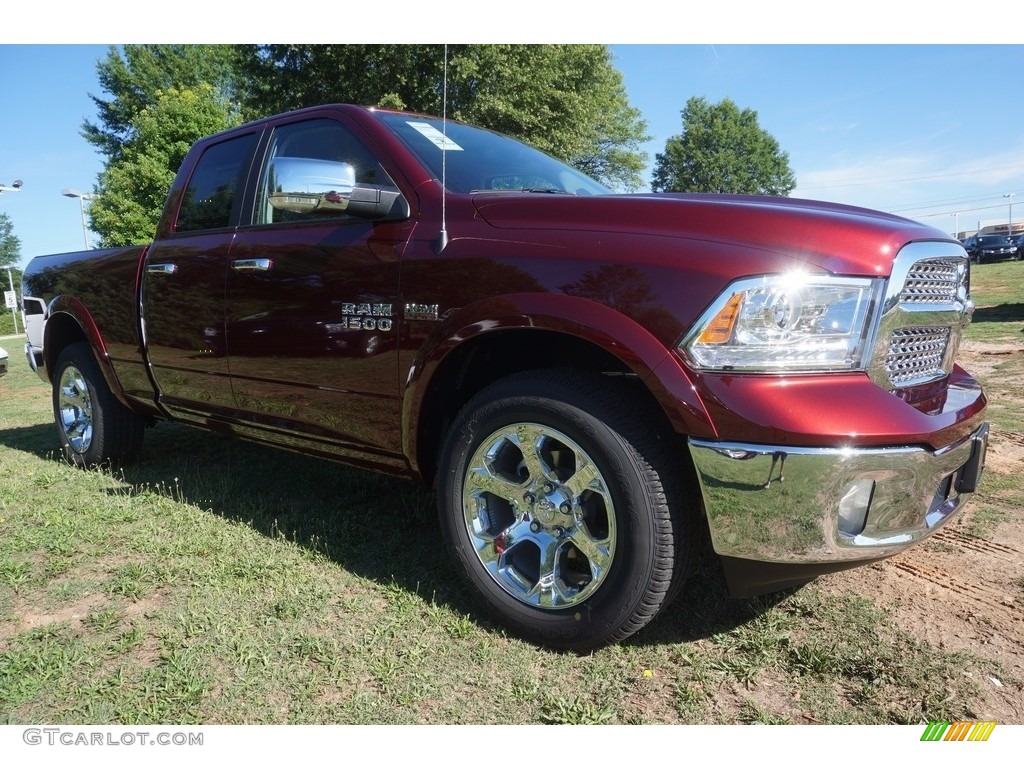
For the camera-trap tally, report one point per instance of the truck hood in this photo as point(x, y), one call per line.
point(838, 238)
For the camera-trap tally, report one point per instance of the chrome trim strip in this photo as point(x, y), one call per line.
point(782, 504)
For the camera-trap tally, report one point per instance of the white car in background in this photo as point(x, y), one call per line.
point(3, 361)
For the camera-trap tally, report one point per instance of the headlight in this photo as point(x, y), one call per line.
point(787, 323)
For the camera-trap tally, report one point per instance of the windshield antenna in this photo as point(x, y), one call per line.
point(442, 238)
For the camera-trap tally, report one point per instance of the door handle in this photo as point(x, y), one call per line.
point(252, 265)
point(162, 269)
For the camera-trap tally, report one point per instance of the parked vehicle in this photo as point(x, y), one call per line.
point(982, 248)
point(1018, 242)
point(3, 361)
point(587, 379)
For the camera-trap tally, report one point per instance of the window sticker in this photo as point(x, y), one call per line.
point(437, 138)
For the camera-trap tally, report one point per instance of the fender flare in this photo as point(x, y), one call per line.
point(76, 310)
point(603, 326)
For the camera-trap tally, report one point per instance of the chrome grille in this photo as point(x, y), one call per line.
point(926, 309)
point(932, 281)
point(916, 354)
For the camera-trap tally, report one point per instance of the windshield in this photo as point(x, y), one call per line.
point(479, 160)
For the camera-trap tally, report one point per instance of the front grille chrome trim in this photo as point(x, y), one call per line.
point(926, 308)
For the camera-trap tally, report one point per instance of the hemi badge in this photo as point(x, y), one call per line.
point(420, 311)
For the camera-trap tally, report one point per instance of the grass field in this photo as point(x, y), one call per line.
point(222, 582)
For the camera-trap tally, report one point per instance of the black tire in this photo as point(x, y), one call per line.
point(93, 426)
point(582, 539)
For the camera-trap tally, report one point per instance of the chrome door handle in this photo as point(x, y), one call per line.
point(252, 265)
point(161, 269)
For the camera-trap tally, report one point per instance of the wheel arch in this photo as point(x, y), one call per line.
point(535, 332)
point(68, 321)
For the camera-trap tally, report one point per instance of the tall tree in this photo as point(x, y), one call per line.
point(10, 243)
point(722, 149)
point(568, 100)
point(144, 136)
point(133, 186)
point(134, 76)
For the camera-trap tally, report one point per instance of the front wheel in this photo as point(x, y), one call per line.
point(561, 499)
point(92, 425)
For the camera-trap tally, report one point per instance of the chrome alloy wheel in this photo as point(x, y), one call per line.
point(75, 405)
point(540, 516)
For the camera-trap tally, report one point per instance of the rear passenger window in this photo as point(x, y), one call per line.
point(211, 193)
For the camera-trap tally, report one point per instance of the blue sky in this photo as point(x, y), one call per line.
point(934, 132)
point(923, 130)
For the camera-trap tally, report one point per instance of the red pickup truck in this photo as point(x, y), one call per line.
point(589, 380)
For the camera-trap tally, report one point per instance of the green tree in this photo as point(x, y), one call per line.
point(135, 75)
point(133, 186)
point(722, 149)
point(568, 100)
point(144, 135)
point(10, 243)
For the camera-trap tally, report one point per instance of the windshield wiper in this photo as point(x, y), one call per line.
point(531, 190)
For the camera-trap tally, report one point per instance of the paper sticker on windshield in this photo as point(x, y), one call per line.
point(434, 136)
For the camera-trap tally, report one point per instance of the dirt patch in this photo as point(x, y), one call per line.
point(981, 357)
point(75, 613)
point(1006, 452)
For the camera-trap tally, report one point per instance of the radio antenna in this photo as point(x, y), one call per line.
point(442, 238)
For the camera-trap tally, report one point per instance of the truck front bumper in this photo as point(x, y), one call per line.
point(780, 515)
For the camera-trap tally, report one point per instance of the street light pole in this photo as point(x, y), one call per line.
point(1009, 222)
point(82, 197)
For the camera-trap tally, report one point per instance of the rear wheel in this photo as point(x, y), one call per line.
point(93, 426)
point(560, 498)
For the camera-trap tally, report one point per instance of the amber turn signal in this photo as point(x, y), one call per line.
point(719, 330)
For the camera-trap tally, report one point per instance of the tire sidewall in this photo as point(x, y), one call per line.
point(80, 357)
point(625, 587)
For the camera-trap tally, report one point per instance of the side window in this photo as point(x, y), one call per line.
point(311, 170)
point(210, 194)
